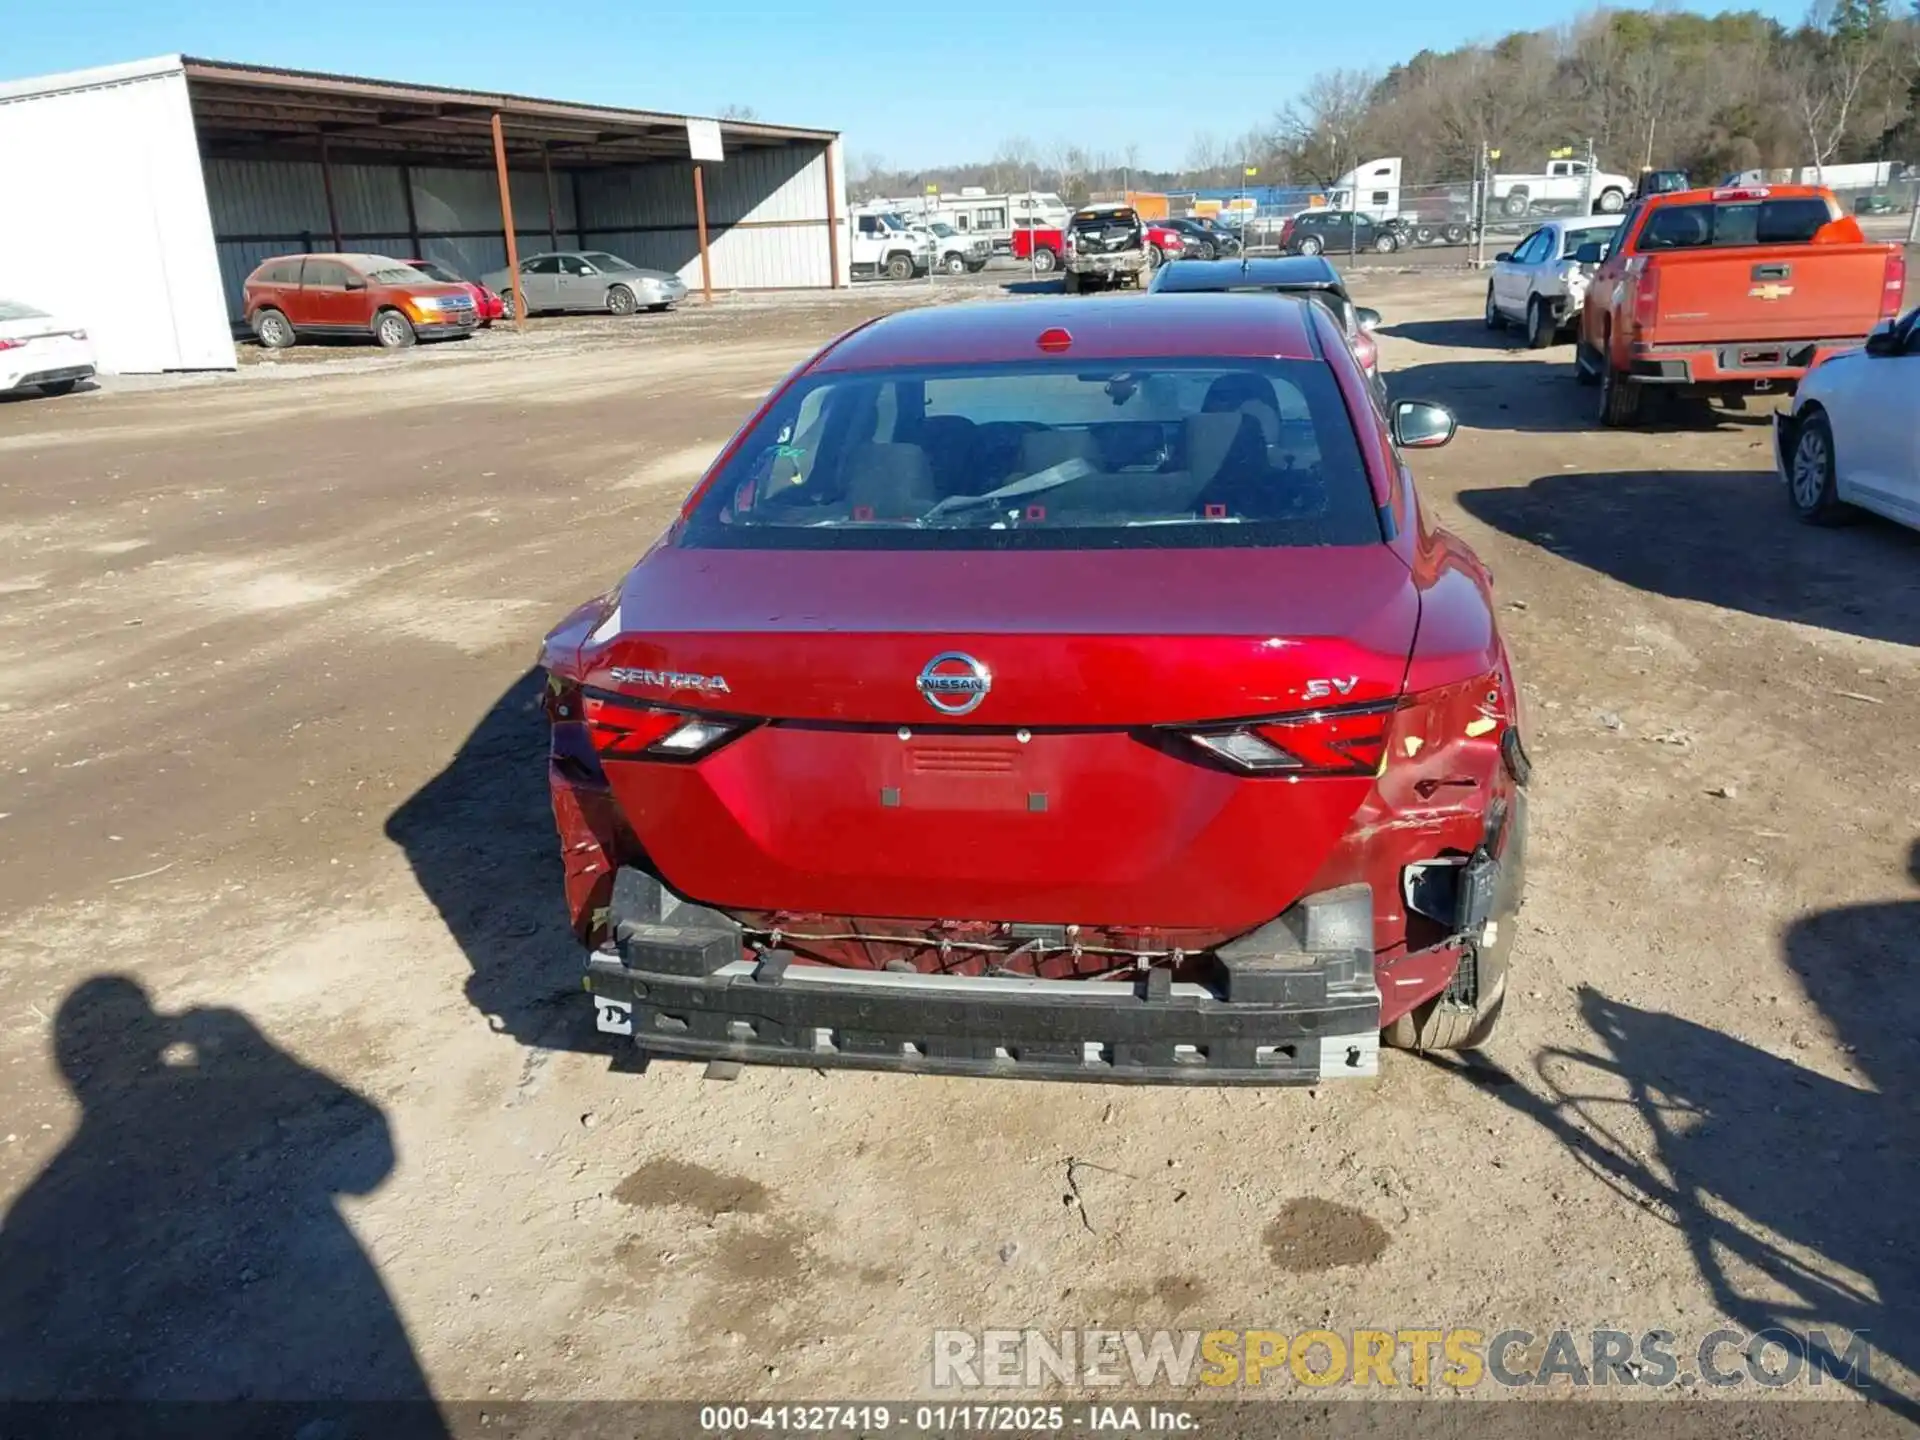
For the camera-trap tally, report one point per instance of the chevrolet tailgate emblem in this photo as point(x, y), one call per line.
point(1770, 292)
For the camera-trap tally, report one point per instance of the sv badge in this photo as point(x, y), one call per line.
point(1334, 685)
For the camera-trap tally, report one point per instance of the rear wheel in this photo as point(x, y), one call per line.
point(1424, 235)
point(1619, 396)
point(1454, 234)
point(506, 303)
point(899, 267)
point(1155, 255)
point(393, 330)
point(1810, 473)
point(1044, 260)
point(1612, 201)
point(1309, 245)
point(1540, 324)
point(57, 388)
point(273, 329)
point(1516, 202)
point(1207, 252)
point(620, 301)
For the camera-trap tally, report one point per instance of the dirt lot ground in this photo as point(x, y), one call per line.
point(298, 1094)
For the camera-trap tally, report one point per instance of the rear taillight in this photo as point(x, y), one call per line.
point(1349, 741)
point(1365, 351)
point(6, 344)
point(1893, 283)
point(1646, 297)
point(623, 728)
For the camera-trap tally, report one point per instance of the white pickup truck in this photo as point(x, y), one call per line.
point(955, 253)
point(883, 245)
point(1563, 183)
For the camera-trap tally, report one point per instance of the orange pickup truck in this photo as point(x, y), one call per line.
point(1727, 293)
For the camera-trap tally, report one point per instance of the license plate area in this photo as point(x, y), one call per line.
point(967, 773)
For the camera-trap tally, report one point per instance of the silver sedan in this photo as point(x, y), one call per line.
point(587, 280)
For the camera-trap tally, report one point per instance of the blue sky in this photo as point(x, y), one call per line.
point(915, 83)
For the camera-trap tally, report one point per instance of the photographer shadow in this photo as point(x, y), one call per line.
point(1793, 1189)
point(185, 1244)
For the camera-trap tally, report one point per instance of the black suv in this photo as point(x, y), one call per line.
point(1211, 240)
point(1339, 232)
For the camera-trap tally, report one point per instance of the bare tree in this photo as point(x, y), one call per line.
point(738, 112)
point(1830, 68)
point(1323, 130)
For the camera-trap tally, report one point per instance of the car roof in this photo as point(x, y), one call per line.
point(1706, 194)
point(1585, 222)
point(1121, 328)
point(1296, 272)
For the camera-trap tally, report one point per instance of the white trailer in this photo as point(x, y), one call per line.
point(973, 210)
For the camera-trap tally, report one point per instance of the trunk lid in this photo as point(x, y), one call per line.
point(1072, 638)
point(1042, 804)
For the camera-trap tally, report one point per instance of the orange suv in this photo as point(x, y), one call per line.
point(292, 296)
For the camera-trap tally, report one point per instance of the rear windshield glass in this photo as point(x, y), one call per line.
point(1572, 240)
point(14, 310)
point(1051, 456)
point(1749, 222)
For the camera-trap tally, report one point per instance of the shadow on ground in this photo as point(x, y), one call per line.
point(1726, 538)
point(1792, 1190)
point(1454, 334)
point(481, 842)
point(185, 1243)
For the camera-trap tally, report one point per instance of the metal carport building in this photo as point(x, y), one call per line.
point(138, 197)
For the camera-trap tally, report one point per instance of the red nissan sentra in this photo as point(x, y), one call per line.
point(1050, 690)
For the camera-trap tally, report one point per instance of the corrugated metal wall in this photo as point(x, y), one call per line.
point(103, 218)
point(279, 207)
point(766, 218)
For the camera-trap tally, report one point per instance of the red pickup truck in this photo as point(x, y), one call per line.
point(1729, 292)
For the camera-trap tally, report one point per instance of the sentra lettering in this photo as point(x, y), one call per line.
point(671, 680)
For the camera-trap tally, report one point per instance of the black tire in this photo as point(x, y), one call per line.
point(273, 330)
point(1495, 320)
point(1424, 235)
point(1070, 282)
point(1448, 1021)
point(1454, 234)
point(1155, 255)
point(393, 330)
point(506, 303)
point(1309, 245)
point(900, 267)
point(1811, 486)
point(1385, 243)
point(57, 388)
point(954, 263)
point(1540, 325)
point(620, 301)
point(1611, 202)
point(1620, 397)
point(1044, 260)
point(1207, 251)
point(1517, 202)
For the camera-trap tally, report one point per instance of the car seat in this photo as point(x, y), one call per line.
point(889, 482)
point(1243, 392)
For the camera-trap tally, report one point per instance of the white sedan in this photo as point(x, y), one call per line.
point(1542, 282)
point(36, 350)
point(1852, 435)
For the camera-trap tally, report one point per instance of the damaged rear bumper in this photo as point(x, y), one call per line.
point(1292, 1004)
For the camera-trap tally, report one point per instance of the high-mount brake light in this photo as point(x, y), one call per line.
point(1743, 192)
point(627, 729)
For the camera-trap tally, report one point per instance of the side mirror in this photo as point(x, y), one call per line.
point(1422, 425)
point(1503, 257)
point(1369, 319)
point(355, 282)
point(1591, 253)
point(1885, 339)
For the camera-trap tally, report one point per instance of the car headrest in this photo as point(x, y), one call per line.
point(1248, 394)
point(1223, 446)
point(889, 482)
point(1043, 449)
